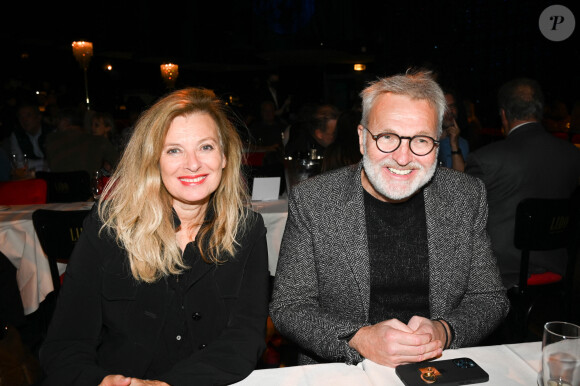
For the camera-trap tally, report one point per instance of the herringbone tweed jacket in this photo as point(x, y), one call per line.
point(322, 287)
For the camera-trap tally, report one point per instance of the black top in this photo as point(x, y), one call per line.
point(399, 259)
point(175, 343)
point(108, 323)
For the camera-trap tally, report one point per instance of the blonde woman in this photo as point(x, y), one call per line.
point(168, 283)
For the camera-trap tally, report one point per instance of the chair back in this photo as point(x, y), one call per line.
point(58, 231)
point(72, 186)
point(23, 192)
point(542, 225)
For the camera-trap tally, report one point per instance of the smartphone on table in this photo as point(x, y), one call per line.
point(459, 371)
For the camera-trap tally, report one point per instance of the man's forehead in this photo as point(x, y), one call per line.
point(395, 104)
point(390, 98)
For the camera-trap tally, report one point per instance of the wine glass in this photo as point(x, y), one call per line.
point(97, 184)
point(19, 161)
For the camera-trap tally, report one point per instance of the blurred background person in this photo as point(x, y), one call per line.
point(266, 144)
point(103, 124)
point(316, 135)
point(134, 107)
point(70, 148)
point(529, 163)
point(453, 148)
point(171, 271)
point(274, 93)
point(267, 131)
point(28, 139)
point(345, 149)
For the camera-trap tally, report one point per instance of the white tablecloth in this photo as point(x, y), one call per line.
point(18, 241)
point(506, 365)
point(275, 214)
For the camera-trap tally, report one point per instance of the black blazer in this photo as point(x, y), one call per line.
point(107, 323)
point(530, 162)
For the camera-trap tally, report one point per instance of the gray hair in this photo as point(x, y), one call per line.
point(416, 85)
point(521, 99)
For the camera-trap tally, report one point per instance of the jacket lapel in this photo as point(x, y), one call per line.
point(441, 243)
point(199, 268)
point(352, 227)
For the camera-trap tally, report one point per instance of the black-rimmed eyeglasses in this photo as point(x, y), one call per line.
point(420, 145)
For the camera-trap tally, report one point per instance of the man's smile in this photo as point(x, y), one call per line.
point(400, 172)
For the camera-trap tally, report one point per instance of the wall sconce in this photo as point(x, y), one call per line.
point(169, 73)
point(83, 52)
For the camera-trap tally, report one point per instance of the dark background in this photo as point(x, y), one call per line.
point(230, 46)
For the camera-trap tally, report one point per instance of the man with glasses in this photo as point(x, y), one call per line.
point(389, 259)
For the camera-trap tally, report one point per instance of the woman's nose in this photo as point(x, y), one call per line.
point(192, 161)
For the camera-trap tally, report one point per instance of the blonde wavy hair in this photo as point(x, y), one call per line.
point(137, 208)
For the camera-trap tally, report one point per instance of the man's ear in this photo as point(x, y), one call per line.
point(504, 122)
point(361, 133)
point(502, 114)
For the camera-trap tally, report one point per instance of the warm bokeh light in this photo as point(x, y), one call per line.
point(169, 73)
point(360, 67)
point(83, 52)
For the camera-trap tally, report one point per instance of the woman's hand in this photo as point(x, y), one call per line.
point(142, 382)
point(115, 380)
point(120, 380)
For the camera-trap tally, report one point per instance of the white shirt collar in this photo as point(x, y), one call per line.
point(520, 125)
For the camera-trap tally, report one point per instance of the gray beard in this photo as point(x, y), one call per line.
point(373, 172)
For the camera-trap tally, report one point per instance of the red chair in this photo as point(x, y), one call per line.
point(544, 278)
point(560, 134)
point(254, 158)
point(23, 192)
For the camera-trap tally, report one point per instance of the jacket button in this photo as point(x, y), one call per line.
point(202, 346)
point(196, 316)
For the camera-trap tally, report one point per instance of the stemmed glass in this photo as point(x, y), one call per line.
point(19, 161)
point(20, 169)
point(97, 184)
